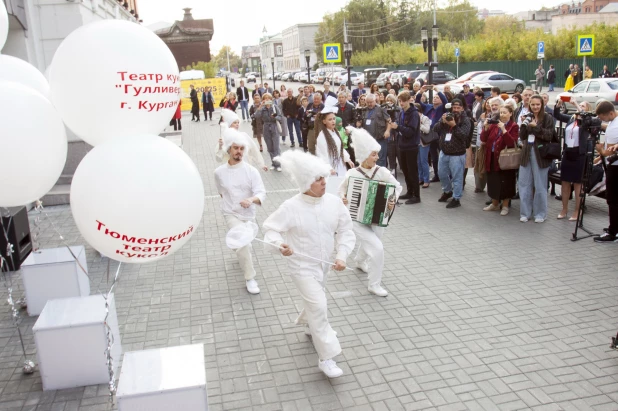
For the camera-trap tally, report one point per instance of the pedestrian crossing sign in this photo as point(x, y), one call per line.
point(332, 52)
point(585, 45)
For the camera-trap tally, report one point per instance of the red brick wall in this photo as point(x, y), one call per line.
point(187, 53)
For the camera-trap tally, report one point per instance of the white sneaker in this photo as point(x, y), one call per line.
point(363, 266)
point(252, 287)
point(272, 167)
point(330, 369)
point(505, 211)
point(307, 330)
point(539, 220)
point(377, 290)
point(523, 219)
point(278, 169)
point(491, 207)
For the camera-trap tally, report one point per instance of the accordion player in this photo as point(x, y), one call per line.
point(368, 201)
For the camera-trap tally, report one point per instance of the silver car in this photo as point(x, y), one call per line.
point(591, 91)
point(506, 83)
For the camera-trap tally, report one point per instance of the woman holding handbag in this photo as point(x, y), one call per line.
point(536, 131)
point(497, 137)
point(573, 156)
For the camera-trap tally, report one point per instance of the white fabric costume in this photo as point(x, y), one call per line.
point(321, 150)
point(370, 250)
point(236, 183)
point(310, 225)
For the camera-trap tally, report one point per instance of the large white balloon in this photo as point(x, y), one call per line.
point(114, 79)
point(22, 72)
point(33, 145)
point(4, 25)
point(137, 199)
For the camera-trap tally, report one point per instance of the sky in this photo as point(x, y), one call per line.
point(240, 22)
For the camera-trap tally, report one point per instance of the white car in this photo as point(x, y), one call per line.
point(286, 76)
point(591, 91)
point(336, 79)
point(297, 75)
point(252, 77)
point(303, 76)
point(355, 76)
point(383, 78)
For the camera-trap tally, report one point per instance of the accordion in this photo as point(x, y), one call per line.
point(368, 201)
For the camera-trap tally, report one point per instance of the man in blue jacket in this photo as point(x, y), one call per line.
point(434, 112)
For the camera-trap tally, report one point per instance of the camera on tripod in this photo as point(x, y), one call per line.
point(589, 121)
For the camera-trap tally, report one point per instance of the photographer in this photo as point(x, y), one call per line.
point(270, 115)
point(454, 132)
point(312, 110)
point(377, 122)
point(434, 111)
point(606, 112)
point(537, 129)
point(573, 155)
point(407, 128)
point(393, 110)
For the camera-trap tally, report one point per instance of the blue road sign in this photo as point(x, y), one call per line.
point(457, 52)
point(540, 50)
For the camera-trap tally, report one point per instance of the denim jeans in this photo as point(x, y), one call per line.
point(551, 86)
point(423, 164)
point(451, 173)
point(383, 152)
point(244, 106)
point(533, 189)
point(294, 123)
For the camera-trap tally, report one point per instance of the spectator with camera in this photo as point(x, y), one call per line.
point(312, 110)
point(573, 156)
point(377, 122)
point(434, 111)
point(393, 111)
point(606, 112)
point(270, 116)
point(496, 136)
point(407, 128)
point(524, 108)
point(454, 132)
point(536, 131)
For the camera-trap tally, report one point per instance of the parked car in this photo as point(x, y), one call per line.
point(278, 76)
point(321, 76)
point(439, 77)
point(397, 77)
point(338, 75)
point(269, 76)
point(303, 76)
point(506, 83)
point(468, 76)
point(458, 88)
point(355, 76)
point(392, 73)
point(296, 75)
point(287, 76)
point(372, 74)
point(591, 91)
point(251, 77)
point(382, 78)
point(412, 75)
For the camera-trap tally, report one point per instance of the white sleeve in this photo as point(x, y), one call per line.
point(275, 226)
point(387, 177)
point(219, 153)
point(257, 185)
point(344, 236)
point(321, 148)
point(218, 183)
point(343, 188)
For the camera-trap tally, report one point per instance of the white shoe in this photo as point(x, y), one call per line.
point(523, 219)
point(377, 290)
point(307, 330)
point(278, 169)
point(505, 211)
point(491, 207)
point(363, 266)
point(272, 167)
point(330, 369)
point(252, 287)
point(539, 220)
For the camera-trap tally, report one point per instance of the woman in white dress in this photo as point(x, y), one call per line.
point(329, 146)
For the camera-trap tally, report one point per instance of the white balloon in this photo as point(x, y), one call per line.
point(22, 72)
point(137, 199)
point(33, 145)
point(4, 24)
point(114, 79)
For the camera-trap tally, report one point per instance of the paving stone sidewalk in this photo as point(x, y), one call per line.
point(484, 313)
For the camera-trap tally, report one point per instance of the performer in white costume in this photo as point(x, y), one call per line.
point(252, 152)
point(329, 146)
point(370, 255)
point(313, 223)
point(241, 188)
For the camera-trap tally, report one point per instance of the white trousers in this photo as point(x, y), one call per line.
point(369, 238)
point(244, 253)
point(315, 313)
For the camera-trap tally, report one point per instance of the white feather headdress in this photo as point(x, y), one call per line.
point(303, 168)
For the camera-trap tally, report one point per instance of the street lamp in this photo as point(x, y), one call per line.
point(433, 46)
point(272, 63)
point(347, 50)
point(307, 59)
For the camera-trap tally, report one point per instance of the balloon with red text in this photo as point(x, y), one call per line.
point(33, 145)
point(114, 79)
point(137, 199)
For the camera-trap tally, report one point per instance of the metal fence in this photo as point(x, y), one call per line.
point(519, 69)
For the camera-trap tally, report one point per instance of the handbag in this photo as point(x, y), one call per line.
point(550, 151)
point(428, 138)
point(510, 158)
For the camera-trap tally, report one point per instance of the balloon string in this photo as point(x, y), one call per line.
point(304, 255)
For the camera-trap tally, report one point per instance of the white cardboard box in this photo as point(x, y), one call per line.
point(165, 379)
point(71, 341)
point(54, 273)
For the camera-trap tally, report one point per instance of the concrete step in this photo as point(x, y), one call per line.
point(58, 195)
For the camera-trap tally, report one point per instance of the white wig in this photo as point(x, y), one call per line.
point(363, 143)
point(229, 116)
point(303, 168)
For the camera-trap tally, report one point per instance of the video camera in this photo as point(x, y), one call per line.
point(494, 119)
point(392, 110)
point(590, 122)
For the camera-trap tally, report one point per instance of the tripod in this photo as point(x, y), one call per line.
point(590, 149)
